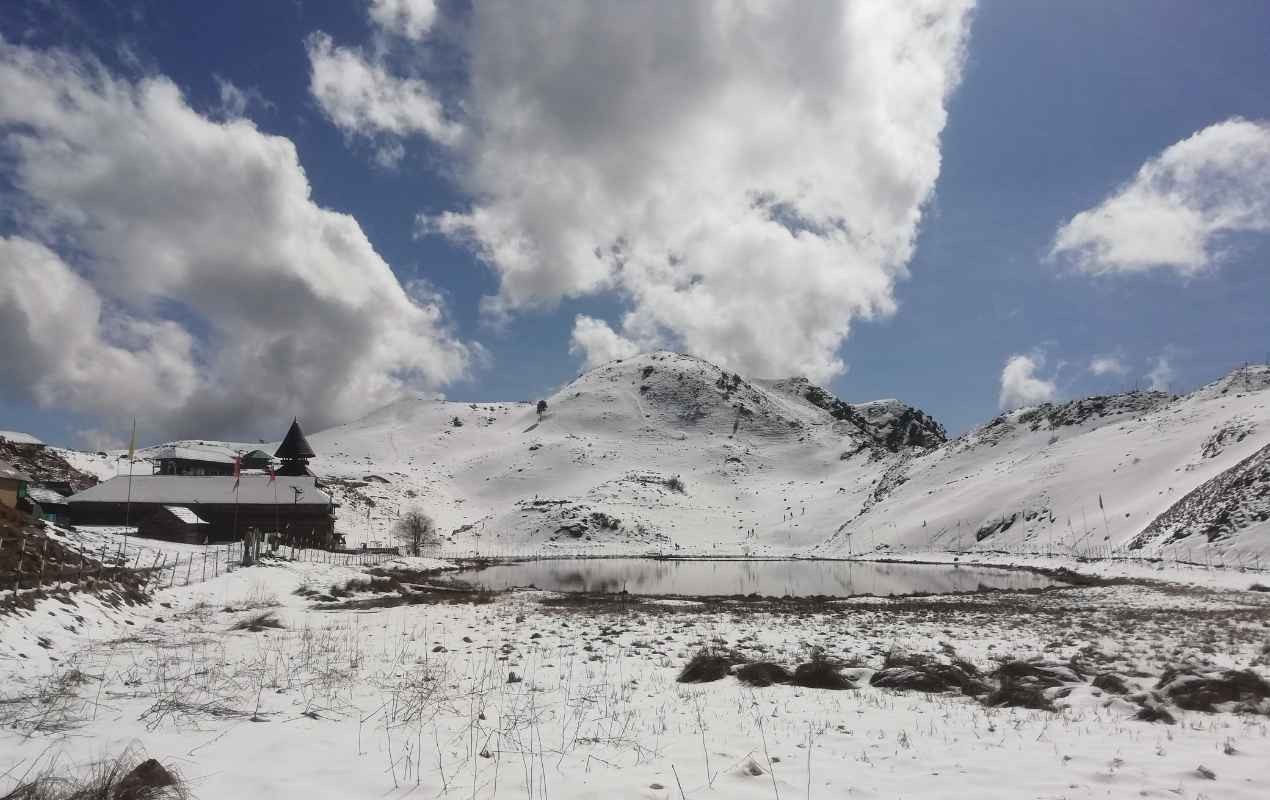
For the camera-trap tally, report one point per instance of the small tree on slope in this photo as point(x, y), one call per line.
point(416, 530)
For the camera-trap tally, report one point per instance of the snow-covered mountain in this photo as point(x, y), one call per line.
point(669, 451)
point(783, 466)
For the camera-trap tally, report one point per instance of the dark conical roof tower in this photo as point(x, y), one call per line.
point(295, 452)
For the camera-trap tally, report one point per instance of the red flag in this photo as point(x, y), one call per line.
point(238, 463)
point(273, 476)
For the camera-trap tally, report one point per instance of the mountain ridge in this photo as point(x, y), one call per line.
point(781, 466)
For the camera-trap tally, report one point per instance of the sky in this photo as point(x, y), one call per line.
point(217, 217)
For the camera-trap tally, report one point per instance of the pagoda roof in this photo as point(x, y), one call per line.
point(294, 445)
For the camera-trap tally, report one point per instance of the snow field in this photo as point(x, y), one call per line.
point(419, 700)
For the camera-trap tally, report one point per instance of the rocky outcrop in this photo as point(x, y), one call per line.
point(1218, 508)
point(45, 466)
point(888, 423)
point(1048, 416)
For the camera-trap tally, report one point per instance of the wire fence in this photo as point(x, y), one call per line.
point(32, 563)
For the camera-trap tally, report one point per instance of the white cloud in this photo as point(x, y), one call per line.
point(234, 101)
point(1107, 365)
point(363, 98)
point(597, 343)
point(409, 18)
point(750, 178)
point(166, 223)
point(1179, 208)
point(1020, 385)
point(1162, 373)
point(69, 348)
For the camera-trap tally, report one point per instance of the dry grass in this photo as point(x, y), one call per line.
point(258, 623)
point(125, 777)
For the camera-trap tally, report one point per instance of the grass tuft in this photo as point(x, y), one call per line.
point(763, 673)
point(258, 623)
point(707, 666)
point(121, 778)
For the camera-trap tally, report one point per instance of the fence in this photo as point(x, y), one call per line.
point(42, 562)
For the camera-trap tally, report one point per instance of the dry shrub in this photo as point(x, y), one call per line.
point(121, 778)
point(1152, 710)
point(258, 623)
point(1205, 691)
point(707, 666)
point(763, 673)
point(821, 673)
point(919, 672)
point(1111, 683)
point(1032, 683)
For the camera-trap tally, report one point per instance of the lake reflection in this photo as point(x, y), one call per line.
point(769, 578)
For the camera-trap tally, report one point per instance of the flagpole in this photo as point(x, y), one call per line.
point(127, 509)
point(237, 479)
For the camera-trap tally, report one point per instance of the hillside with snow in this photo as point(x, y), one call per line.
point(781, 466)
point(669, 453)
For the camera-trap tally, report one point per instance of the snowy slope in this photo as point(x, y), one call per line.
point(1092, 473)
point(780, 466)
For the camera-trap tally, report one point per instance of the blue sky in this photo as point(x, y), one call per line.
point(1058, 106)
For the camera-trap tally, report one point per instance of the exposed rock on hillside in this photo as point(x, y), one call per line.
point(1218, 508)
point(887, 423)
point(1050, 415)
point(45, 465)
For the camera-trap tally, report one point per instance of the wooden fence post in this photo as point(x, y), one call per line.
point(188, 567)
point(17, 573)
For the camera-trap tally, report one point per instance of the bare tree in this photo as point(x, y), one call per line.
point(416, 530)
point(542, 408)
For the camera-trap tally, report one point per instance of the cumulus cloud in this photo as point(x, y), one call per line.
point(1107, 365)
point(597, 343)
point(1181, 206)
point(364, 99)
point(1162, 373)
point(409, 18)
point(750, 178)
point(176, 267)
point(1021, 386)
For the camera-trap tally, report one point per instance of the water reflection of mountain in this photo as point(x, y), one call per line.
point(770, 578)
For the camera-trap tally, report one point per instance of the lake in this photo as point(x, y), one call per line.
point(794, 578)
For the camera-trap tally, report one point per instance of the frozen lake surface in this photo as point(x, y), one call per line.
point(794, 578)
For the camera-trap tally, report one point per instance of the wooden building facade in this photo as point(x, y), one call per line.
point(301, 513)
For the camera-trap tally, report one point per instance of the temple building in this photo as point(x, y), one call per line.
point(294, 452)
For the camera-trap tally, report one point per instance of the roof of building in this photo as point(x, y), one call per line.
point(17, 437)
point(185, 515)
point(193, 451)
point(11, 472)
point(45, 496)
point(294, 445)
point(182, 490)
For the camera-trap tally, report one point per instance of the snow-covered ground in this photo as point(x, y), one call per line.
point(364, 693)
point(418, 700)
